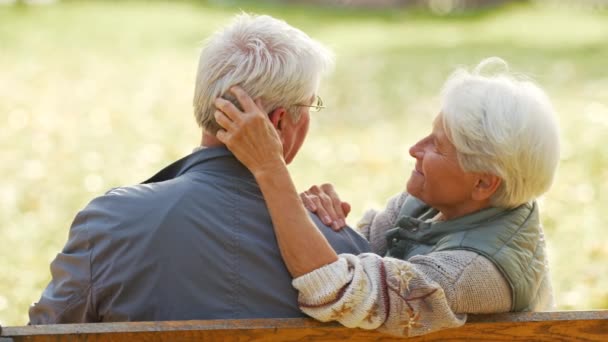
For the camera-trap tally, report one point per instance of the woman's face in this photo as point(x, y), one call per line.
point(437, 179)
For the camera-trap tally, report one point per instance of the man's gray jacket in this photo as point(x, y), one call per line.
point(193, 242)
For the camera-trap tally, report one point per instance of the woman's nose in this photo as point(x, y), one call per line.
point(416, 150)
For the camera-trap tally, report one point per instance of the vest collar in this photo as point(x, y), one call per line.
point(423, 229)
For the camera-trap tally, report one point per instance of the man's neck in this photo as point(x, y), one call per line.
point(209, 140)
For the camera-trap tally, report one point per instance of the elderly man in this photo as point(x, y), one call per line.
point(196, 240)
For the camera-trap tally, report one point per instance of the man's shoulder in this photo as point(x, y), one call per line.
point(144, 193)
point(150, 204)
point(346, 240)
point(134, 205)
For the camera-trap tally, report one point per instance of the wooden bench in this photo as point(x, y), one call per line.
point(540, 326)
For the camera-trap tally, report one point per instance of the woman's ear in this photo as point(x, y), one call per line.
point(486, 185)
point(276, 116)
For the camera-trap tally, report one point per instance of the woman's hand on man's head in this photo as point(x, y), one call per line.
point(255, 142)
point(326, 204)
point(248, 133)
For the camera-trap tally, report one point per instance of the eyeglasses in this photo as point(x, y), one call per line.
point(316, 105)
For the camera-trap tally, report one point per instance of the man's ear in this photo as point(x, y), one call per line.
point(485, 186)
point(276, 116)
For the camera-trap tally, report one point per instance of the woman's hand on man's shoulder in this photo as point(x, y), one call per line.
point(323, 200)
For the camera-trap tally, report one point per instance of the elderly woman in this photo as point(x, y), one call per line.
point(465, 237)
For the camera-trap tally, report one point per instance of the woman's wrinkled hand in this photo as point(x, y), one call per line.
point(326, 204)
point(249, 134)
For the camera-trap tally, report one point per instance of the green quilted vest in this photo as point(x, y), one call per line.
point(511, 238)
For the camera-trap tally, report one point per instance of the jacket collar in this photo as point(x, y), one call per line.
point(214, 158)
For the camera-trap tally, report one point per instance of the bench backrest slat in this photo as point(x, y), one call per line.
point(540, 326)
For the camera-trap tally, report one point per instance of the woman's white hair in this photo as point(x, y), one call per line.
point(266, 57)
point(503, 125)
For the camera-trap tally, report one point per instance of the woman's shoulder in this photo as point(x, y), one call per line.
point(471, 282)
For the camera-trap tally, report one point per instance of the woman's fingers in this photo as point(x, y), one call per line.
point(346, 208)
point(223, 120)
point(336, 202)
point(333, 209)
point(308, 203)
point(329, 208)
point(249, 135)
point(244, 99)
point(321, 212)
point(228, 109)
point(223, 136)
point(227, 114)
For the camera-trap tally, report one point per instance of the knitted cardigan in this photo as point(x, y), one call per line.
point(426, 293)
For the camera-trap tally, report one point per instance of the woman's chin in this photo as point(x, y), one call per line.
point(412, 187)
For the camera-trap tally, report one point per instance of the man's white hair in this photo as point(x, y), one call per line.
point(268, 58)
point(502, 125)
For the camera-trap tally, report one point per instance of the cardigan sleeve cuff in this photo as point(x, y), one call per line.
point(326, 282)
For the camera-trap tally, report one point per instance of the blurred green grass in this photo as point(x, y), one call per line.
point(98, 94)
